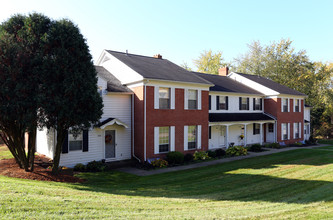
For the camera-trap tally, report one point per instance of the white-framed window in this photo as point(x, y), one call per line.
point(284, 128)
point(285, 105)
point(75, 142)
point(164, 139)
point(296, 130)
point(306, 129)
point(297, 105)
point(256, 128)
point(192, 137)
point(257, 103)
point(164, 98)
point(244, 103)
point(221, 102)
point(270, 127)
point(192, 99)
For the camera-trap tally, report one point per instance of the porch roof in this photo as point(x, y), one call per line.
point(111, 121)
point(236, 117)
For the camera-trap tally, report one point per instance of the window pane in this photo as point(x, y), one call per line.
point(75, 142)
point(244, 104)
point(223, 103)
point(257, 104)
point(164, 98)
point(192, 94)
point(192, 137)
point(164, 139)
point(192, 104)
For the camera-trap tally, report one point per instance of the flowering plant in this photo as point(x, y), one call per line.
point(241, 136)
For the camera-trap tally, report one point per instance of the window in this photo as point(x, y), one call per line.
point(192, 99)
point(75, 142)
point(221, 102)
point(164, 98)
point(164, 139)
point(285, 105)
point(210, 102)
point(270, 128)
point(297, 109)
point(306, 129)
point(192, 137)
point(284, 131)
point(244, 103)
point(256, 128)
point(296, 130)
point(257, 104)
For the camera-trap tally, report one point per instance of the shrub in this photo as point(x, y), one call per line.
point(275, 145)
point(220, 152)
point(200, 155)
point(175, 157)
point(211, 153)
point(79, 167)
point(298, 144)
point(236, 151)
point(159, 163)
point(255, 148)
point(188, 157)
point(95, 166)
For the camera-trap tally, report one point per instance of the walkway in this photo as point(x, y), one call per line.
point(141, 172)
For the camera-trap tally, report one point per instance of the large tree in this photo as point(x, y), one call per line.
point(209, 62)
point(282, 63)
point(22, 43)
point(70, 99)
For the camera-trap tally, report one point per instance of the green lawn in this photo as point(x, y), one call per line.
point(4, 152)
point(289, 185)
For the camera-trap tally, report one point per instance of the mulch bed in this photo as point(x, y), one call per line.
point(8, 167)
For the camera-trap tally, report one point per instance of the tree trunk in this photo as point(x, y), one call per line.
point(56, 159)
point(32, 148)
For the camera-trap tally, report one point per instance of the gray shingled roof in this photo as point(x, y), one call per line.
point(160, 69)
point(113, 84)
point(226, 84)
point(271, 84)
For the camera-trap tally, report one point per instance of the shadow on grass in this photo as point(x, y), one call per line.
point(217, 183)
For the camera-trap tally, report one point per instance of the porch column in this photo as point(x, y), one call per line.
point(227, 136)
point(261, 133)
point(245, 136)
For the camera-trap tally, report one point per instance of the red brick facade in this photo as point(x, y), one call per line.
point(178, 117)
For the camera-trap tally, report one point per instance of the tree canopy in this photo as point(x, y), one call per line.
point(48, 79)
point(209, 62)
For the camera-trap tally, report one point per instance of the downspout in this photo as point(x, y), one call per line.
point(133, 153)
point(145, 124)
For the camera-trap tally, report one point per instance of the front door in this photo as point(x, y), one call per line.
point(270, 133)
point(222, 136)
point(110, 144)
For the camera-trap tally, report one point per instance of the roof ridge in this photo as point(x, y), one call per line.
point(138, 55)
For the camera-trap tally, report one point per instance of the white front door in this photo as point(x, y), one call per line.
point(110, 144)
point(222, 136)
point(270, 132)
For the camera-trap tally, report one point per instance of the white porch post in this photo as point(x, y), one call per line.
point(245, 136)
point(227, 136)
point(261, 133)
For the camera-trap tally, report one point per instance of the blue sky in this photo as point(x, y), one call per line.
point(181, 29)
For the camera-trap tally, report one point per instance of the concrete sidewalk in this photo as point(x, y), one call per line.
point(141, 172)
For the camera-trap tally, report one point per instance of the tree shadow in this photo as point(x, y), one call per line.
point(227, 181)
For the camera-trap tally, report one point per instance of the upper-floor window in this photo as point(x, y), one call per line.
point(192, 137)
point(164, 139)
point(285, 106)
point(221, 102)
point(284, 131)
point(192, 99)
point(257, 104)
point(75, 142)
point(244, 103)
point(164, 98)
point(297, 106)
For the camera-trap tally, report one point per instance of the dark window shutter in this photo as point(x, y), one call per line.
point(254, 103)
point(217, 102)
point(240, 103)
point(260, 104)
point(226, 102)
point(210, 102)
point(65, 144)
point(254, 128)
point(248, 103)
point(210, 132)
point(85, 141)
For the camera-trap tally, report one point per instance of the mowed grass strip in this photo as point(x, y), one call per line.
point(289, 185)
point(4, 152)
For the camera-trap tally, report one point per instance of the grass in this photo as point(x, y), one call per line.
point(4, 152)
point(289, 185)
